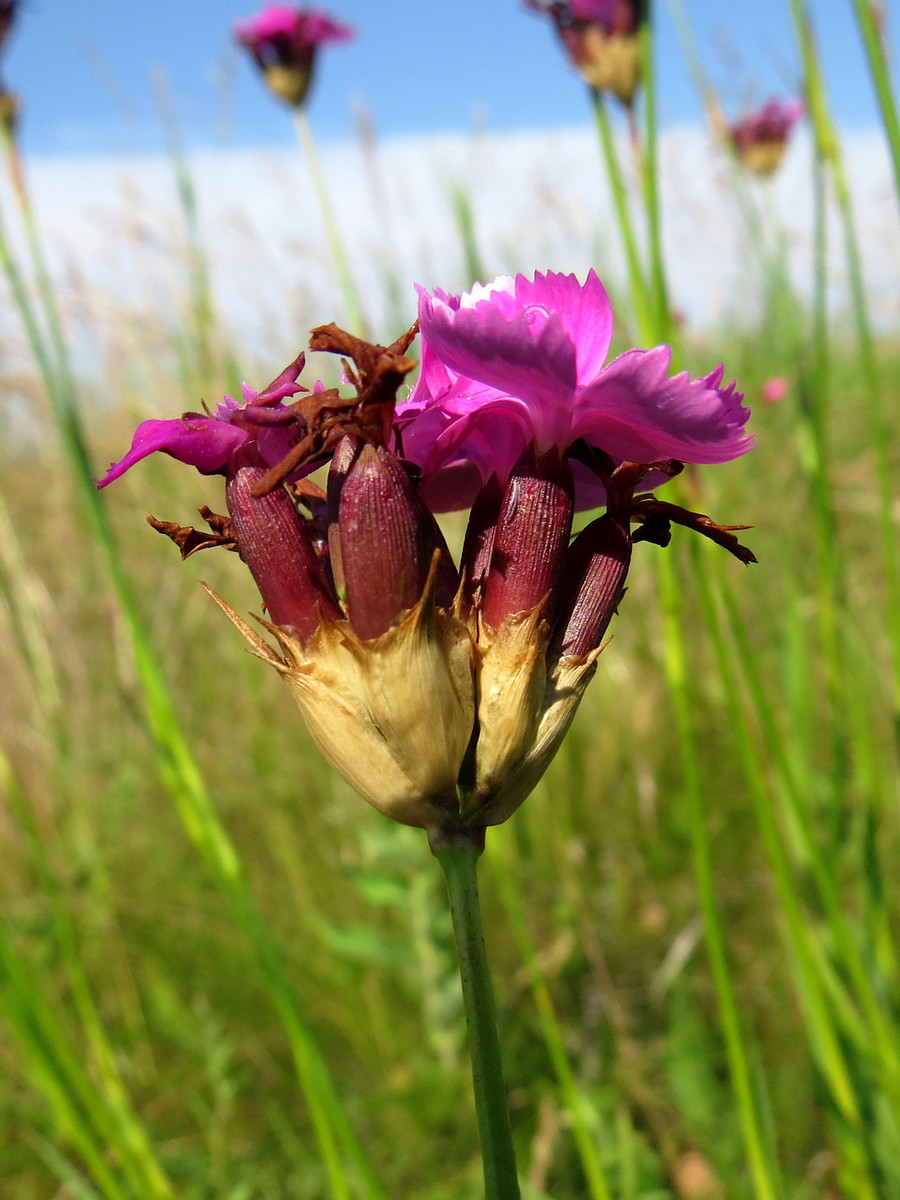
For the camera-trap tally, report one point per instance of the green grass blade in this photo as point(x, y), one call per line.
point(762, 1172)
point(878, 69)
point(177, 766)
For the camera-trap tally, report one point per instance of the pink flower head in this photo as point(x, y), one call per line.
point(259, 430)
point(600, 38)
point(760, 138)
point(614, 16)
point(520, 362)
point(283, 41)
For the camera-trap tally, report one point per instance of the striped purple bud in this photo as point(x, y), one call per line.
point(275, 546)
point(386, 539)
point(479, 543)
point(530, 537)
point(594, 578)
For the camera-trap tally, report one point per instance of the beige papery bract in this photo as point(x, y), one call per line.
point(394, 714)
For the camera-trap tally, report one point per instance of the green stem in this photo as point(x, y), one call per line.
point(881, 78)
point(828, 149)
point(458, 855)
point(623, 216)
point(581, 1114)
point(762, 1173)
point(202, 307)
point(464, 216)
point(338, 253)
point(650, 165)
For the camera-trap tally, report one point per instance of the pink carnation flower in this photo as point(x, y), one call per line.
point(614, 16)
point(521, 362)
point(284, 40)
point(600, 38)
point(281, 29)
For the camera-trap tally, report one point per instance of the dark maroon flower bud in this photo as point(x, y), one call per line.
point(387, 540)
point(479, 543)
point(344, 454)
point(275, 546)
point(530, 537)
point(594, 578)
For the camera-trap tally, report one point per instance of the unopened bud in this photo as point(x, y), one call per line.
point(595, 570)
point(592, 586)
point(528, 548)
point(386, 542)
point(275, 546)
point(475, 563)
point(530, 537)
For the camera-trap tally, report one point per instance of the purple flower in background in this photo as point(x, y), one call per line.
point(616, 16)
point(7, 15)
point(283, 41)
point(760, 139)
point(601, 39)
point(774, 390)
point(520, 362)
point(257, 430)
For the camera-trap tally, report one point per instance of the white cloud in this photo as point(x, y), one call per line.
point(117, 237)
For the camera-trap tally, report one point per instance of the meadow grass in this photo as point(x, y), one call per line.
point(252, 991)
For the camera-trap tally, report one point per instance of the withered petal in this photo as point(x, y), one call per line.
point(657, 512)
point(190, 540)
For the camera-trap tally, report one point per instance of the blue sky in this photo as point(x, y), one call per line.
point(85, 70)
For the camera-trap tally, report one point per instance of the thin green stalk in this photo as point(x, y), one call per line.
point(772, 259)
point(642, 312)
point(763, 1176)
point(342, 264)
point(135, 1146)
point(75, 1099)
point(650, 161)
point(878, 1033)
point(465, 223)
point(598, 1188)
point(458, 855)
point(202, 308)
point(814, 976)
point(179, 770)
point(829, 150)
point(878, 67)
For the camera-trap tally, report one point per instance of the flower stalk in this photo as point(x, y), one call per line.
point(356, 320)
point(458, 854)
point(440, 696)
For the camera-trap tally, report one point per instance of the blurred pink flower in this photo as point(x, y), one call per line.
point(616, 16)
point(283, 41)
point(600, 37)
point(760, 138)
point(520, 362)
point(775, 389)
